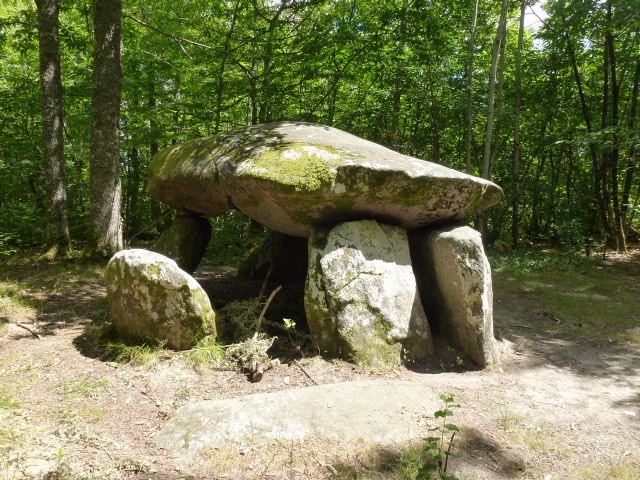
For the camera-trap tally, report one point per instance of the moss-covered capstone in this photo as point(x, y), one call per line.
point(455, 283)
point(361, 297)
point(185, 241)
point(294, 176)
point(151, 299)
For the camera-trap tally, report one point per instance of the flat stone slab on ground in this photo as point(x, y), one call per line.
point(378, 411)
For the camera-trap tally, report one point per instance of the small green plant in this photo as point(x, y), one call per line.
point(438, 448)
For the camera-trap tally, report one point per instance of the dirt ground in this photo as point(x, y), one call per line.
point(560, 406)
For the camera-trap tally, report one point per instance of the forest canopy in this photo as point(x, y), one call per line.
point(549, 113)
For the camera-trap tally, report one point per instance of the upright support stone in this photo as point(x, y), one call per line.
point(361, 298)
point(185, 241)
point(455, 285)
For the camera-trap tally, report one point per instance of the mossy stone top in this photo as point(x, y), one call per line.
point(293, 176)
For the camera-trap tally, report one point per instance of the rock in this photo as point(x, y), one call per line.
point(283, 257)
point(361, 297)
point(185, 241)
point(380, 411)
point(455, 285)
point(152, 299)
point(293, 177)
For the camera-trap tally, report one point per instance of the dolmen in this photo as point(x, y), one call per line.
point(389, 260)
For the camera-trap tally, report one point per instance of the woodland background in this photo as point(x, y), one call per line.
point(549, 113)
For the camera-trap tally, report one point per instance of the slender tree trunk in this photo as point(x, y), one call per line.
point(515, 202)
point(493, 80)
point(631, 165)
point(586, 114)
point(469, 110)
point(621, 243)
point(106, 188)
point(499, 105)
point(57, 231)
point(397, 92)
point(223, 65)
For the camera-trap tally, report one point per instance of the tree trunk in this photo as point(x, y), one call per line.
point(614, 158)
point(515, 202)
point(57, 231)
point(397, 92)
point(104, 171)
point(631, 166)
point(493, 80)
point(469, 109)
point(226, 51)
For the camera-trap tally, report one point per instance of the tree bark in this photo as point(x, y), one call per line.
point(398, 90)
point(57, 231)
point(493, 80)
point(469, 109)
point(515, 202)
point(104, 171)
point(631, 165)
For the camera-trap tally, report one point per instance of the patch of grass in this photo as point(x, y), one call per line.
point(85, 412)
point(543, 260)
point(384, 464)
point(82, 387)
point(509, 419)
point(621, 470)
point(207, 353)
point(15, 301)
point(104, 341)
point(8, 399)
point(582, 296)
point(134, 354)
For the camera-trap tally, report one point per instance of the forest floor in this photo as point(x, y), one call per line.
point(563, 404)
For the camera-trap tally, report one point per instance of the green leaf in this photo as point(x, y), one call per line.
point(443, 413)
point(451, 427)
point(448, 398)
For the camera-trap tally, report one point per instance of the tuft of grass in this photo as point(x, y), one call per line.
point(118, 351)
point(402, 464)
point(207, 353)
point(15, 301)
point(105, 342)
point(82, 387)
point(8, 400)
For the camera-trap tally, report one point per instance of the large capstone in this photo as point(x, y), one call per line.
point(185, 241)
point(293, 177)
point(361, 297)
point(151, 299)
point(455, 284)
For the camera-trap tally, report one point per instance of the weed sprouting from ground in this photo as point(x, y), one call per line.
point(439, 447)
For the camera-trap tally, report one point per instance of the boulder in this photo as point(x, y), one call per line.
point(361, 297)
point(151, 299)
point(455, 285)
point(185, 241)
point(293, 177)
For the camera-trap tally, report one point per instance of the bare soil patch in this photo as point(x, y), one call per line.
point(562, 405)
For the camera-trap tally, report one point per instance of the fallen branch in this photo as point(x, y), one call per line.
point(27, 329)
point(266, 306)
point(297, 364)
